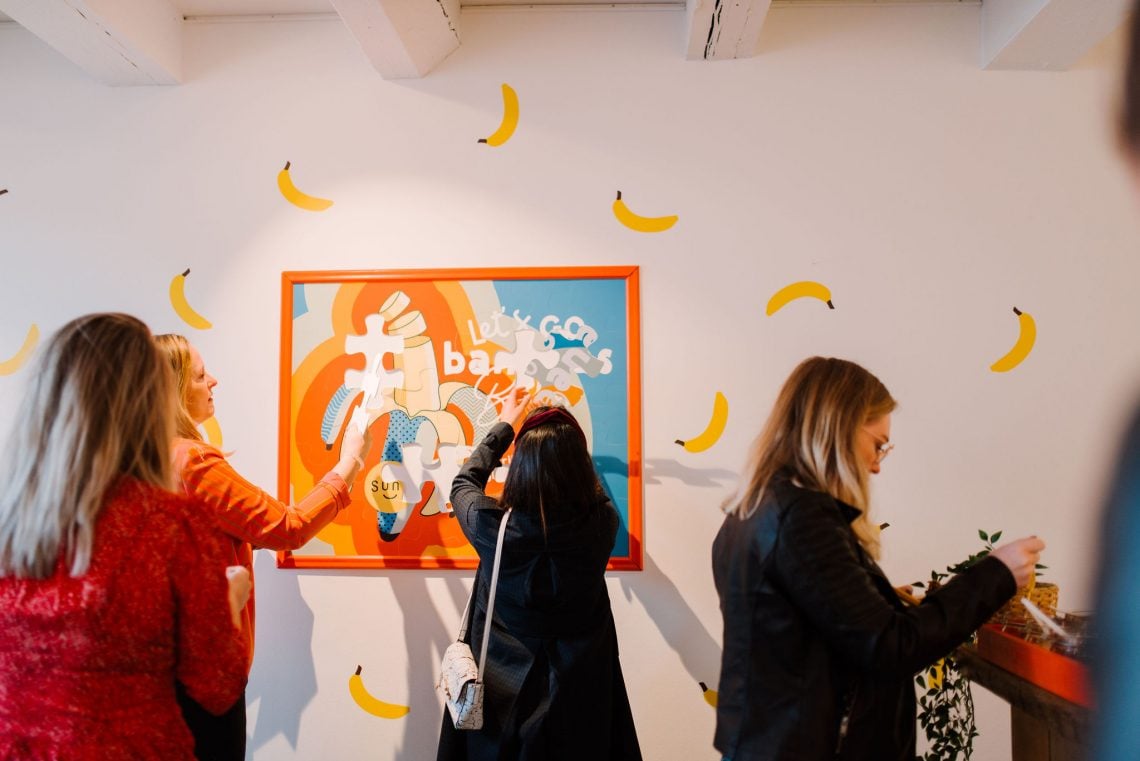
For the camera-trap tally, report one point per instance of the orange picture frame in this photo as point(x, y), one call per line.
point(425, 356)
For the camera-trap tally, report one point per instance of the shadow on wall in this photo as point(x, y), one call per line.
point(657, 471)
point(680, 627)
point(426, 636)
point(285, 677)
point(678, 624)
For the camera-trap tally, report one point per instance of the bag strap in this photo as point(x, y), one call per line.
point(466, 620)
point(491, 594)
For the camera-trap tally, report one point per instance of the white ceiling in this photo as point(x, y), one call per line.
point(1014, 34)
point(201, 8)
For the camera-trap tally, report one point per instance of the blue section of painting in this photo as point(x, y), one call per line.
point(385, 522)
point(300, 306)
point(401, 430)
point(602, 304)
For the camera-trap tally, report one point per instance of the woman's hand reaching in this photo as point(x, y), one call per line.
point(1020, 557)
point(516, 405)
point(354, 448)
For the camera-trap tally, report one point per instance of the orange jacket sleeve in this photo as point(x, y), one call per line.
point(212, 659)
point(248, 513)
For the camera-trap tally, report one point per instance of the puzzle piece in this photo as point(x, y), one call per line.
point(413, 473)
point(572, 361)
point(528, 351)
point(374, 341)
point(375, 381)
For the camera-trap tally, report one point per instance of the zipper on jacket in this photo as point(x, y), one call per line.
point(845, 721)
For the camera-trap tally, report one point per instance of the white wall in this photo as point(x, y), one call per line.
point(864, 149)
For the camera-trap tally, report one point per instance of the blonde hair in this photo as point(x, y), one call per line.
point(99, 407)
point(176, 349)
point(811, 434)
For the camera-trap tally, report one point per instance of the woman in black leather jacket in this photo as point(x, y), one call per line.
point(819, 653)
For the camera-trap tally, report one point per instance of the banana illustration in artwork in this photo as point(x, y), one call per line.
point(336, 412)
point(803, 289)
point(639, 223)
point(182, 306)
point(213, 431)
point(710, 695)
point(295, 196)
point(372, 705)
point(16, 361)
point(715, 428)
point(510, 118)
point(1025, 340)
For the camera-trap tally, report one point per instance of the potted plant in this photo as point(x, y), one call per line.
point(946, 704)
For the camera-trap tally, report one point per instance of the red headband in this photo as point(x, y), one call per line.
point(553, 415)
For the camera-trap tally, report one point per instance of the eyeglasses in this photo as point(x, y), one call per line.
point(883, 450)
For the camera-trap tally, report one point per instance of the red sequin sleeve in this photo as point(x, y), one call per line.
point(210, 652)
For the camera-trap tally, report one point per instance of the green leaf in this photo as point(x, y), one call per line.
point(994, 538)
point(984, 536)
point(919, 584)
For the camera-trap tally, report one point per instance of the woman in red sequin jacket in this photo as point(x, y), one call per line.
point(111, 586)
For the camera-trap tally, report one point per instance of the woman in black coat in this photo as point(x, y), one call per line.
point(819, 653)
point(553, 686)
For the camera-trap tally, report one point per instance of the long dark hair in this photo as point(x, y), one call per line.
point(551, 473)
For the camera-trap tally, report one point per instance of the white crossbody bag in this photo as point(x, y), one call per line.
point(461, 679)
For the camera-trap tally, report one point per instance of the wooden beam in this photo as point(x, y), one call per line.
point(402, 38)
point(119, 42)
point(723, 29)
point(1045, 34)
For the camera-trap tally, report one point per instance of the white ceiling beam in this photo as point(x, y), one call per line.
point(1045, 34)
point(119, 42)
point(719, 30)
point(403, 39)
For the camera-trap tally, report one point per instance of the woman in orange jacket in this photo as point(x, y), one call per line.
point(245, 515)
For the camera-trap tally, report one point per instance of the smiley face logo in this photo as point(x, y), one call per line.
point(386, 496)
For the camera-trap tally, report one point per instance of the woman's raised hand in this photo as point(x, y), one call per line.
point(354, 447)
point(1020, 557)
point(515, 406)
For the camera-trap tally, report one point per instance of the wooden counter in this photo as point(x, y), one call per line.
point(1044, 725)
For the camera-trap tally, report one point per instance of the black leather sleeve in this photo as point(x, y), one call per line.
point(817, 565)
point(467, 489)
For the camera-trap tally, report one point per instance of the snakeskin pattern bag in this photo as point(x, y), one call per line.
point(461, 679)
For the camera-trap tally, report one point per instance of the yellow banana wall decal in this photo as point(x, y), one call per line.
point(213, 431)
point(710, 695)
point(715, 428)
point(639, 223)
point(182, 306)
point(934, 675)
point(1025, 340)
point(800, 290)
point(374, 706)
point(510, 119)
point(17, 360)
point(295, 196)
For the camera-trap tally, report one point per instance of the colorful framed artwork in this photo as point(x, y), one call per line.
point(423, 358)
